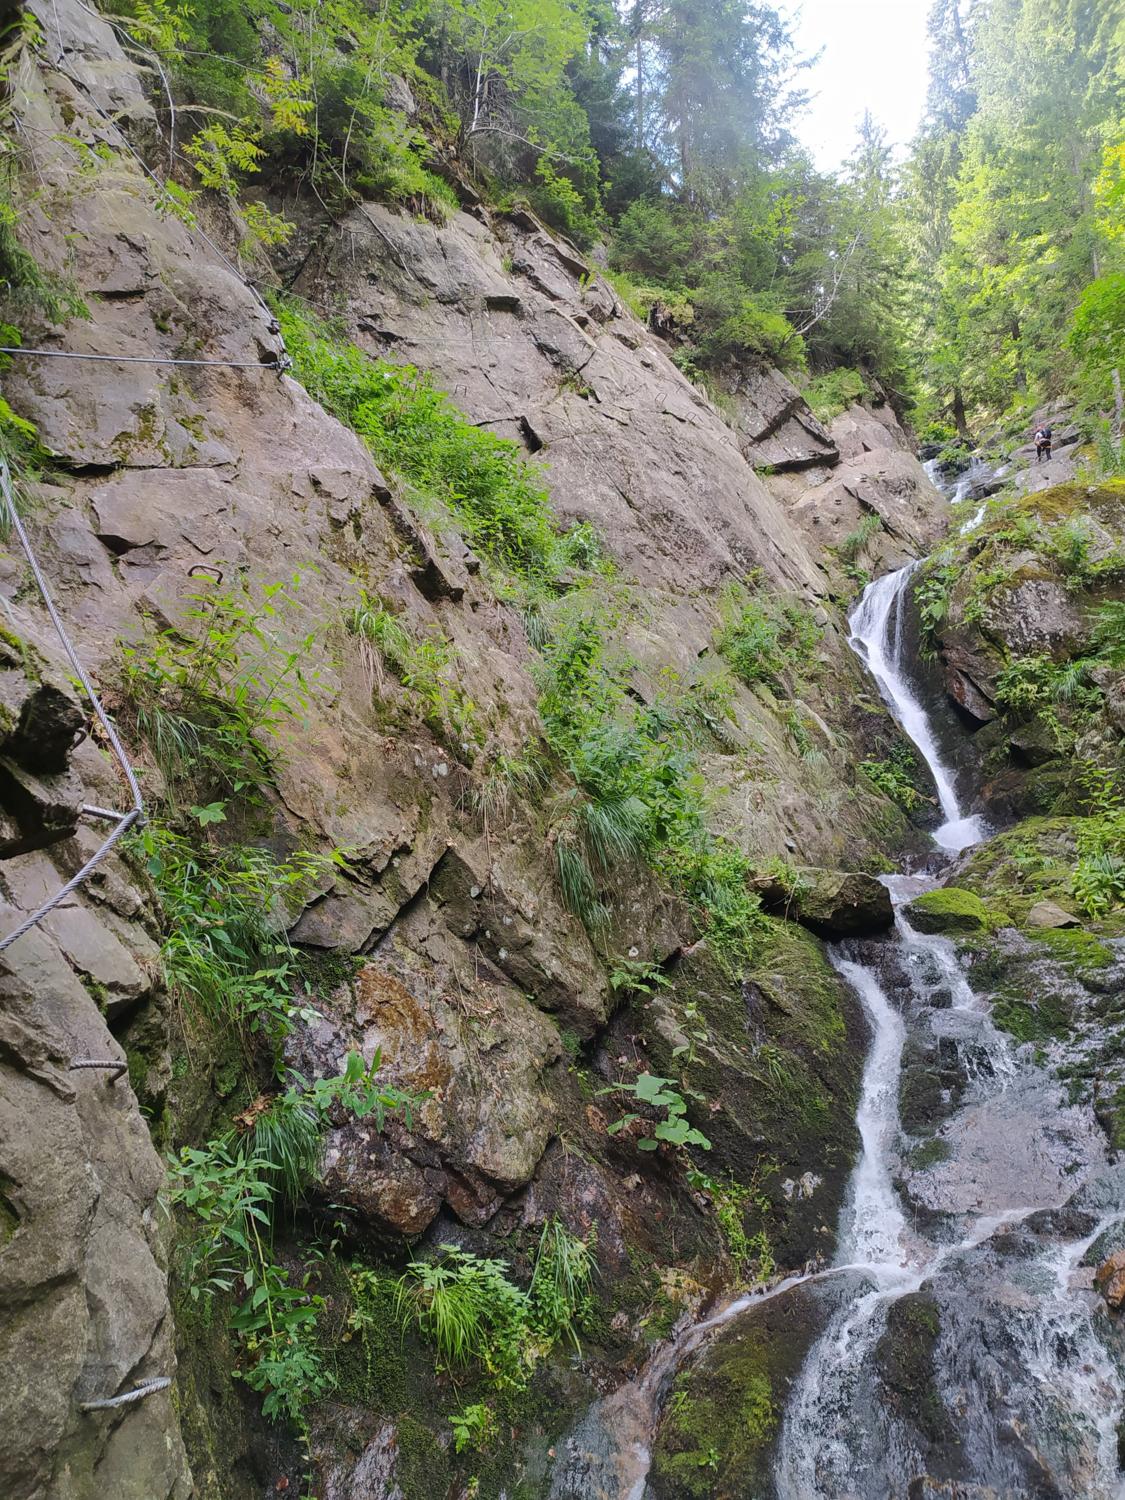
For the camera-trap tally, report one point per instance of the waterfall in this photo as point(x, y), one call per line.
point(877, 635)
point(1019, 1372)
point(1019, 1351)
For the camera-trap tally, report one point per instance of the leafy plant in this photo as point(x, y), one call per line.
point(212, 698)
point(225, 949)
point(466, 1306)
point(473, 1427)
point(229, 1192)
point(730, 1200)
point(764, 637)
point(560, 1294)
point(471, 1311)
point(636, 976)
point(896, 776)
point(662, 1097)
point(830, 394)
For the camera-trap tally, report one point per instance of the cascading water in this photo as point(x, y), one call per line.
point(1038, 1418)
point(877, 636)
point(1025, 1397)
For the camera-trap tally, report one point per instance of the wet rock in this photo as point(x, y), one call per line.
point(721, 1422)
point(926, 1487)
point(948, 910)
point(832, 903)
point(1110, 1279)
point(1050, 914)
point(904, 1357)
point(476, 1058)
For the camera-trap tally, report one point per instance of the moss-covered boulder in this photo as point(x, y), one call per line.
point(718, 1434)
point(905, 1360)
point(831, 903)
point(950, 910)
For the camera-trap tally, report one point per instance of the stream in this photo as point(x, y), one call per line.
point(991, 1236)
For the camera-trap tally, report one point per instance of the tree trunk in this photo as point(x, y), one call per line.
point(638, 28)
point(959, 418)
point(1118, 406)
point(1021, 376)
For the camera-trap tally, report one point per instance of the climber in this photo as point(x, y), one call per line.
point(1043, 442)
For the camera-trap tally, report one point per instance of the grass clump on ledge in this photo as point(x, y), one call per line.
point(762, 637)
point(638, 796)
point(496, 498)
point(469, 1309)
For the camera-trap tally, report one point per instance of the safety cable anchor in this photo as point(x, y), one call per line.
point(119, 1067)
point(145, 1388)
point(87, 810)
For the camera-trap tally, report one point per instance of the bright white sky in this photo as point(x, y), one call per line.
point(874, 57)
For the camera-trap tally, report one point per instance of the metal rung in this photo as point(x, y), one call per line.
point(110, 816)
point(146, 1388)
point(115, 1063)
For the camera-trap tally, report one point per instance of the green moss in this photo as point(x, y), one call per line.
point(325, 970)
point(701, 1437)
point(96, 990)
point(905, 1359)
point(791, 968)
point(929, 1153)
point(952, 910)
point(1042, 1019)
point(1111, 1114)
point(12, 647)
point(1075, 947)
point(422, 1469)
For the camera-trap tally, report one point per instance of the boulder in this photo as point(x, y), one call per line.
point(1049, 914)
point(1110, 1279)
point(475, 1056)
point(831, 903)
point(949, 910)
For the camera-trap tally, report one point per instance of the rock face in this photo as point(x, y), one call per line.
point(832, 903)
point(775, 428)
point(84, 1310)
point(876, 483)
point(459, 1149)
point(480, 988)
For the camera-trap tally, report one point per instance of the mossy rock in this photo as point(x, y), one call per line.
point(783, 1058)
point(951, 910)
point(929, 1153)
point(904, 1356)
point(1024, 865)
point(718, 1432)
point(1044, 1018)
point(1081, 951)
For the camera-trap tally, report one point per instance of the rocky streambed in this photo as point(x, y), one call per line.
point(957, 1345)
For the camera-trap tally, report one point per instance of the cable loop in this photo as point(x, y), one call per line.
point(126, 820)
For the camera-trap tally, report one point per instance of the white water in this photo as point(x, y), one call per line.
point(975, 519)
point(877, 628)
point(873, 1223)
point(840, 1440)
point(1021, 1365)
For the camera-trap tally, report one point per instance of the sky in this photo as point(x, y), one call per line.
point(874, 57)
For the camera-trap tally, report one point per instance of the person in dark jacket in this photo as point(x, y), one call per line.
point(1043, 442)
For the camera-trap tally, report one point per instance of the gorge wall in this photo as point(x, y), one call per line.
point(482, 990)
